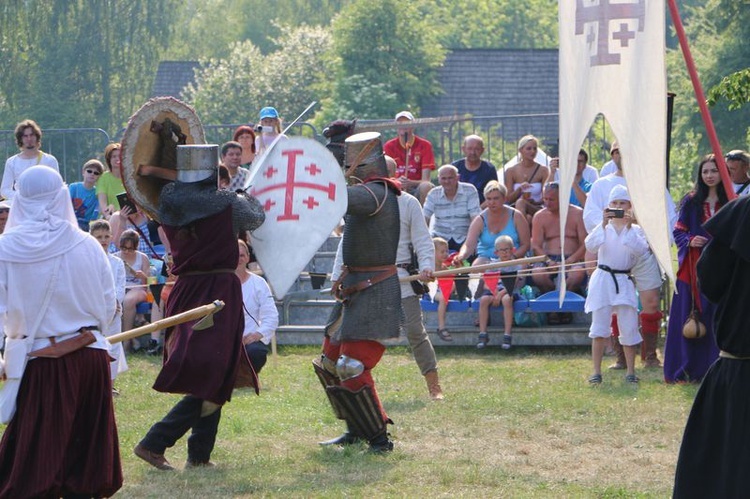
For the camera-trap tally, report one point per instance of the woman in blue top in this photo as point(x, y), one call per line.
point(496, 220)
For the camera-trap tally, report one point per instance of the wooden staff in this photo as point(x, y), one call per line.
point(479, 268)
point(189, 315)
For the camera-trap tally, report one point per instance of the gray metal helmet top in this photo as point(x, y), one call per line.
point(196, 162)
point(364, 157)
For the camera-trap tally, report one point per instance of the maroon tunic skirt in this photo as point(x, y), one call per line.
point(63, 438)
point(204, 363)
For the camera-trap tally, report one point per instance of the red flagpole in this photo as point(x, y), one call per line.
point(707, 121)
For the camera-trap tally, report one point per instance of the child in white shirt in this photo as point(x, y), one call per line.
point(618, 243)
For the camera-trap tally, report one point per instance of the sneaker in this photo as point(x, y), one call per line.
point(632, 378)
point(484, 338)
point(595, 379)
point(507, 339)
point(154, 348)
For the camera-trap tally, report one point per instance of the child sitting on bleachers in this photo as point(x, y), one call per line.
point(441, 256)
point(504, 251)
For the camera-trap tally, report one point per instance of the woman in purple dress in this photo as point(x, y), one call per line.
point(687, 360)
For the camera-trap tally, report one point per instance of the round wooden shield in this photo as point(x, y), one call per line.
point(147, 164)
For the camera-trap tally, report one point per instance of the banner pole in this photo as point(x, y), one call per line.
point(700, 96)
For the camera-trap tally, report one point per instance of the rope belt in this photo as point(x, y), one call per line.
point(727, 355)
point(613, 272)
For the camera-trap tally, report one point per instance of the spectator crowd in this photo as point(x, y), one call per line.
point(476, 213)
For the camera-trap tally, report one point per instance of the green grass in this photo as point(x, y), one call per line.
point(522, 423)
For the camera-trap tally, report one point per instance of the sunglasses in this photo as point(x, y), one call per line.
point(4, 210)
point(127, 248)
point(736, 157)
point(97, 173)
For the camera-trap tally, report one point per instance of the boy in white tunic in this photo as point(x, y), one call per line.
point(618, 243)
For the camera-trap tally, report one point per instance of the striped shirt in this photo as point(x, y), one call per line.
point(451, 218)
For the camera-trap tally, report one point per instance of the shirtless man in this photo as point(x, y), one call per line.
point(545, 240)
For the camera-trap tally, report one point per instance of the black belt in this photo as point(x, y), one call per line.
point(612, 272)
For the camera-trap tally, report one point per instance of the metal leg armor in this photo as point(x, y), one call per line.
point(363, 415)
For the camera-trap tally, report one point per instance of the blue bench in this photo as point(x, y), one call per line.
point(548, 302)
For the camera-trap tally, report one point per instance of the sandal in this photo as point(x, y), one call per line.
point(444, 334)
point(507, 339)
point(595, 379)
point(484, 338)
point(632, 378)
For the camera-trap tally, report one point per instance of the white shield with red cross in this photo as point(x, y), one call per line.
point(303, 192)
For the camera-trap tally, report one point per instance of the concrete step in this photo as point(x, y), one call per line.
point(567, 335)
point(321, 262)
point(315, 312)
point(330, 244)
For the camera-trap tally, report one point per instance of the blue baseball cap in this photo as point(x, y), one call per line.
point(269, 112)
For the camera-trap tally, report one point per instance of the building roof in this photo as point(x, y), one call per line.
point(172, 77)
point(500, 82)
point(482, 82)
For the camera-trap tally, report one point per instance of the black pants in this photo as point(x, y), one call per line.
point(257, 352)
point(184, 416)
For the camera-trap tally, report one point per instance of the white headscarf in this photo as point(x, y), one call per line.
point(41, 223)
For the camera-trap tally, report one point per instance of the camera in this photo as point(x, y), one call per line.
point(617, 213)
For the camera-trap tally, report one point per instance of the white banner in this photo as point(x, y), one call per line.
point(612, 62)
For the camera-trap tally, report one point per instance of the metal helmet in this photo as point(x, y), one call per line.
point(196, 162)
point(364, 158)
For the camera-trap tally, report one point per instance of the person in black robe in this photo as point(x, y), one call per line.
point(715, 451)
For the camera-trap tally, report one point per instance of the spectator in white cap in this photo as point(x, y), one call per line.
point(269, 128)
point(414, 157)
point(619, 244)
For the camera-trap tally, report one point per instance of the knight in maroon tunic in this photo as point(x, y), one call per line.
point(202, 225)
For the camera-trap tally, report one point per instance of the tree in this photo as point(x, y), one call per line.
point(381, 50)
point(717, 31)
point(74, 63)
point(494, 23)
point(234, 89)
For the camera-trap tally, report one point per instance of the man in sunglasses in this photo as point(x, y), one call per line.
point(738, 163)
point(83, 194)
point(29, 141)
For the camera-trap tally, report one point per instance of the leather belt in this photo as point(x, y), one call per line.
point(613, 273)
point(383, 273)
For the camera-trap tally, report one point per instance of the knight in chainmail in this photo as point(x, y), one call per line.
point(202, 225)
point(369, 293)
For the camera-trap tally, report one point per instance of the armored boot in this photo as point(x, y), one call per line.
point(363, 415)
point(325, 369)
point(433, 385)
point(616, 347)
point(347, 438)
point(650, 327)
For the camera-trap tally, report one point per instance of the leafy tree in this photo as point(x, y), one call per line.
point(494, 23)
point(386, 58)
point(717, 31)
point(73, 63)
point(233, 90)
point(735, 88)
